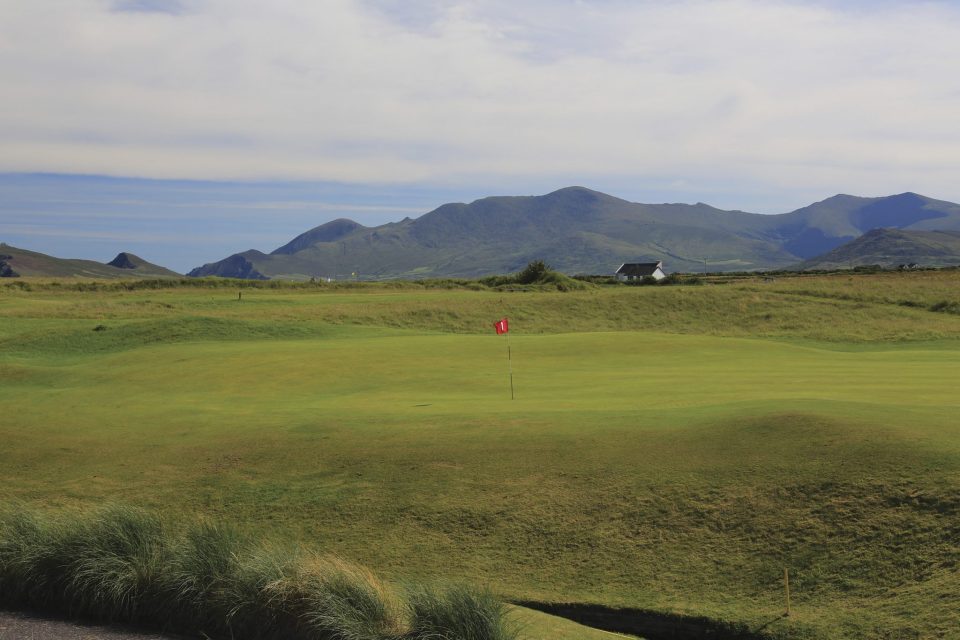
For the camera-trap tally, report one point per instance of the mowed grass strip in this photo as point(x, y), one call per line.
point(635, 468)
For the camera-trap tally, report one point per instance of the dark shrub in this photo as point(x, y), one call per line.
point(533, 272)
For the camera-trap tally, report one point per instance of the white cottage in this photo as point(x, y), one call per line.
point(639, 270)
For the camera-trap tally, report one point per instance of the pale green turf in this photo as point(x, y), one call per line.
point(640, 468)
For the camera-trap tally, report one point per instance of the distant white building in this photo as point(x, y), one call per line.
point(639, 270)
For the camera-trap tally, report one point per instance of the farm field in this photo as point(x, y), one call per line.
point(669, 448)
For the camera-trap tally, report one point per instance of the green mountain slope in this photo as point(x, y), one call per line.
point(21, 262)
point(893, 247)
point(578, 230)
point(822, 226)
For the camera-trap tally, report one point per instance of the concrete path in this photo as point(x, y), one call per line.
point(20, 626)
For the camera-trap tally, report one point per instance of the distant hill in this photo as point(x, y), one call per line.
point(577, 230)
point(891, 248)
point(21, 262)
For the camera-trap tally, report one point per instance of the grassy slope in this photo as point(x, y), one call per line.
point(678, 471)
point(891, 247)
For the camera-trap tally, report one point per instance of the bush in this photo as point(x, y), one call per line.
point(458, 613)
point(641, 282)
point(350, 603)
point(946, 306)
point(533, 273)
point(105, 566)
point(122, 564)
point(536, 275)
point(116, 564)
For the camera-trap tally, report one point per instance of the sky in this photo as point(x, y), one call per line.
point(186, 130)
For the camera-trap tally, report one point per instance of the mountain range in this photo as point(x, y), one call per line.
point(578, 230)
point(575, 230)
point(21, 262)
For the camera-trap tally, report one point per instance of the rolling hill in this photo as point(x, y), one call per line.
point(893, 247)
point(21, 262)
point(578, 230)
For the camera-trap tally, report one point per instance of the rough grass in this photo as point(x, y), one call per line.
point(122, 564)
point(670, 448)
point(879, 308)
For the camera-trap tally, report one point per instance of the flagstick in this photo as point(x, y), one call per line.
point(510, 365)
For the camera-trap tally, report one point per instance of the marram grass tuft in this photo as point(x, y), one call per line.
point(128, 565)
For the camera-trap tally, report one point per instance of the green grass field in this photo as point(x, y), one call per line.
point(669, 448)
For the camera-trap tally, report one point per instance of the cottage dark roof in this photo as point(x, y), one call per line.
point(639, 269)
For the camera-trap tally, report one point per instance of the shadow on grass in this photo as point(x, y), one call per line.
point(651, 625)
point(766, 624)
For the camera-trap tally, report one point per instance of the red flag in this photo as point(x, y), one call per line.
point(501, 326)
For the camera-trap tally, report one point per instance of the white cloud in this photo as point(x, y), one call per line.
point(801, 97)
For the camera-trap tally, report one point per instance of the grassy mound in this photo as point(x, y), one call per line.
point(112, 336)
point(123, 564)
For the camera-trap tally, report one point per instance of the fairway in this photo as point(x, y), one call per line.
point(673, 461)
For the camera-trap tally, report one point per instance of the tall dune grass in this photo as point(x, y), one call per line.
point(124, 564)
point(457, 613)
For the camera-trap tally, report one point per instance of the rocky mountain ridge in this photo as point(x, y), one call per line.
point(578, 230)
